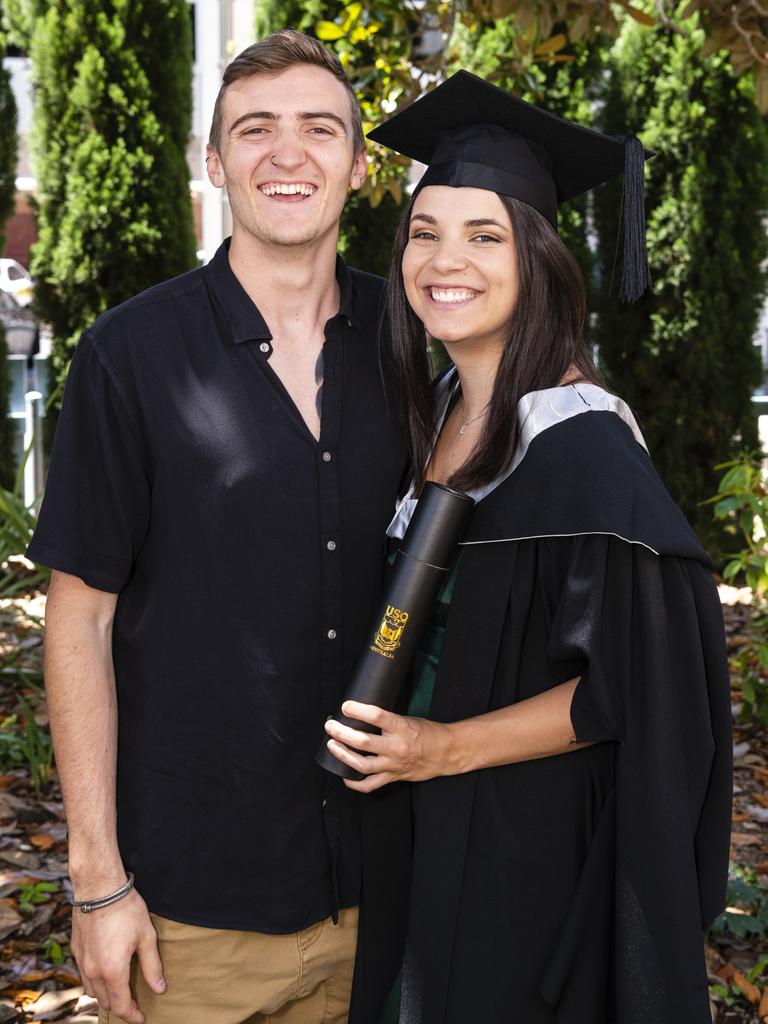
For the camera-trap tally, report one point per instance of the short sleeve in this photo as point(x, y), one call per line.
point(96, 507)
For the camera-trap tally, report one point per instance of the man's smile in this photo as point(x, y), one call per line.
point(284, 191)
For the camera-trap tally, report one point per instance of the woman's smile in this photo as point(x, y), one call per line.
point(448, 295)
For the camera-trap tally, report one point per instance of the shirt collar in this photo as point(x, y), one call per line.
point(349, 302)
point(245, 321)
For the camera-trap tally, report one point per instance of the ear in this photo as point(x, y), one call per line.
point(359, 170)
point(214, 167)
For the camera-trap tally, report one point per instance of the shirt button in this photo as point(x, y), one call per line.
point(331, 545)
point(327, 456)
point(264, 346)
point(331, 634)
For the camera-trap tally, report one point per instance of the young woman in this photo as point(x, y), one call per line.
point(568, 730)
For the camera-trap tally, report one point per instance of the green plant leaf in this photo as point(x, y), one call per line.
point(328, 31)
point(725, 507)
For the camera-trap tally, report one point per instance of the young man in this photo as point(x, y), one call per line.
point(223, 473)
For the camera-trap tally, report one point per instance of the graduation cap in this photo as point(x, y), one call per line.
point(473, 134)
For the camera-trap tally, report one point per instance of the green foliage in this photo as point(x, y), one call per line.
point(53, 952)
point(683, 356)
point(741, 505)
point(17, 524)
point(8, 146)
point(271, 15)
point(24, 742)
point(545, 28)
point(113, 92)
point(731, 993)
point(378, 44)
point(32, 894)
point(366, 235)
point(7, 457)
point(744, 922)
point(746, 912)
point(749, 670)
point(8, 152)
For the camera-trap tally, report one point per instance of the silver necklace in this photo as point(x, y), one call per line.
point(474, 419)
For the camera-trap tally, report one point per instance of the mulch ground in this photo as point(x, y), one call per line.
point(38, 977)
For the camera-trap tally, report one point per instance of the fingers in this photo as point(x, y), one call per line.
point(121, 1002)
point(355, 738)
point(150, 963)
point(365, 765)
point(370, 783)
point(108, 984)
point(387, 721)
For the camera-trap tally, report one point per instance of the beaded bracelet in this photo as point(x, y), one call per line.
point(86, 906)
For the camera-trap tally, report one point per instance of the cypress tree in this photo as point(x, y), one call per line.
point(684, 357)
point(7, 198)
point(112, 117)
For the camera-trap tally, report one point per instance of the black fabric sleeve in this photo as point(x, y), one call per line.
point(95, 511)
point(646, 633)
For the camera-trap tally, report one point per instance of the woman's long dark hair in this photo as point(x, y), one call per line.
point(546, 339)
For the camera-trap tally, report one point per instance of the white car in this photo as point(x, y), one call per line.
point(15, 281)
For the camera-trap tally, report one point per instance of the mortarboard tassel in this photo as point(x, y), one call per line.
point(636, 274)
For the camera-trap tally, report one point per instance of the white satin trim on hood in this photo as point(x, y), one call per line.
point(536, 412)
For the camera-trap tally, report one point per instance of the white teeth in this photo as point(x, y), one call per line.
point(451, 295)
point(290, 189)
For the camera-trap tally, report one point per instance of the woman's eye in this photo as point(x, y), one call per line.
point(485, 238)
point(424, 235)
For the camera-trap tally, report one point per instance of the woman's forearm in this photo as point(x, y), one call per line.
point(415, 749)
point(537, 727)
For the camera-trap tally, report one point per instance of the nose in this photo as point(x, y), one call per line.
point(288, 150)
point(447, 257)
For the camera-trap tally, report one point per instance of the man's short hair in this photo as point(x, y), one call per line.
point(275, 53)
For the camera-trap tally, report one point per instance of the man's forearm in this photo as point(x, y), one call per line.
point(80, 688)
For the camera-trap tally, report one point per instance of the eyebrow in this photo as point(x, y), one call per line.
point(481, 222)
point(477, 222)
point(310, 115)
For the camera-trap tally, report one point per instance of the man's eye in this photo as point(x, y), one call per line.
point(319, 129)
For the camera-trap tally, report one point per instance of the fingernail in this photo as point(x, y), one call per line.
point(161, 985)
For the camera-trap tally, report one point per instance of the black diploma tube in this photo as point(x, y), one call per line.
point(420, 566)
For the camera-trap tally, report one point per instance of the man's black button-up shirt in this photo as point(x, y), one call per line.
point(247, 557)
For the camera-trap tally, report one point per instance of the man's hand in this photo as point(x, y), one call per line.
point(104, 942)
point(82, 704)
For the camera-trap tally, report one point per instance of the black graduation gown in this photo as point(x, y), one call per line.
point(571, 889)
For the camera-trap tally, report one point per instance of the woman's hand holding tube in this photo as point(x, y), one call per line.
point(408, 749)
point(416, 749)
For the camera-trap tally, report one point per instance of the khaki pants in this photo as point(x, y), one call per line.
point(217, 976)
